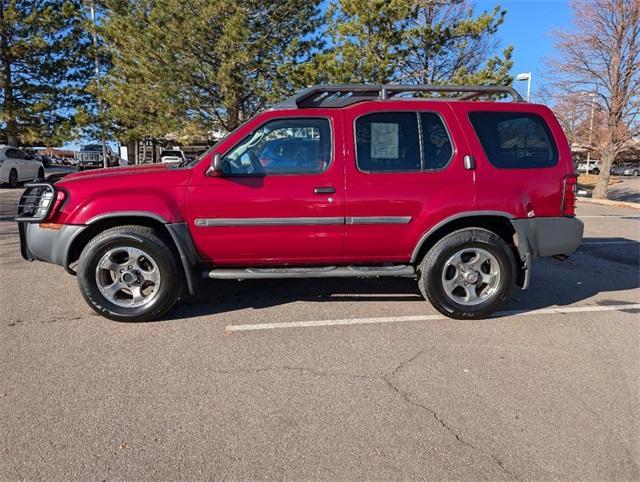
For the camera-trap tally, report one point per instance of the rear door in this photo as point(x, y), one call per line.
point(281, 198)
point(405, 173)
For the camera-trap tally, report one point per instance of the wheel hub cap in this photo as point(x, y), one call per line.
point(128, 277)
point(471, 276)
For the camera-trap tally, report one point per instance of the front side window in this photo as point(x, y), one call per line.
point(285, 146)
point(515, 140)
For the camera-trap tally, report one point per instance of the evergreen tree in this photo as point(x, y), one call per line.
point(183, 65)
point(44, 69)
point(409, 41)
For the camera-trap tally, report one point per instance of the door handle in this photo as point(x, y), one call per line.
point(324, 190)
point(469, 162)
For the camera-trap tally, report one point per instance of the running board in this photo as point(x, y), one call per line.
point(321, 272)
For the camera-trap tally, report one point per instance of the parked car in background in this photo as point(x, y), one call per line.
point(627, 169)
point(91, 157)
point(173, 155)
point(589, 167)
point(336, 181)
point(17, 166)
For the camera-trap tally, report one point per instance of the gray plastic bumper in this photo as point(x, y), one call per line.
point(549, 236)
point(50, 245)
point(545, 237)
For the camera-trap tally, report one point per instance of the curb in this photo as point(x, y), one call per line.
point(609, 202)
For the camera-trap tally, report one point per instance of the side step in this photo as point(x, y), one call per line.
point(316, 272)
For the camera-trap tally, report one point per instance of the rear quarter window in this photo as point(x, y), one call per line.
point(514, 140)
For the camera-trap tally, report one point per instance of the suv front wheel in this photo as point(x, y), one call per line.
point(468, 274)
point(128, 273)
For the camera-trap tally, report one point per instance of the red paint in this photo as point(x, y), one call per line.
point(185, 194)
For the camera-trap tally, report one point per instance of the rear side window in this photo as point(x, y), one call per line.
point(388, 141)
point(514, 140)
point(391, 142)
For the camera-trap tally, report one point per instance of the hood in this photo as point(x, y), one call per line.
point(117, 171)
point(129, 177)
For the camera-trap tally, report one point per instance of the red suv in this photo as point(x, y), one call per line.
point(337, 181)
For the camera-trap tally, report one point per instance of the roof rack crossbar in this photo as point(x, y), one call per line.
point(347, 94)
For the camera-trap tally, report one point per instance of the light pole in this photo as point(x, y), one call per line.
point(593, 108)
point(526, 76)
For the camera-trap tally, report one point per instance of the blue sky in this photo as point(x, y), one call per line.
point(527, 27)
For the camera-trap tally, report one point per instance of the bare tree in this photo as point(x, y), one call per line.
point(602, 56)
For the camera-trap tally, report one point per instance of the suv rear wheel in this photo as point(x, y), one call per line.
point(128, 273)
point(468, 274)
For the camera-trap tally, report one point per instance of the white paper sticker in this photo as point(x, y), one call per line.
point(384, 141)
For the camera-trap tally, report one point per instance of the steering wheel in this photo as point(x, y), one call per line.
point(256, 167)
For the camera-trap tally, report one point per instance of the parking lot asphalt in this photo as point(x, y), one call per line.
point(328, 379)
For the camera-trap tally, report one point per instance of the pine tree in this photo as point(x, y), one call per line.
point(184, 65)
point(410, 41)
point(45, 69)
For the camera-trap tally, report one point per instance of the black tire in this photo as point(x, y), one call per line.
point(595, 171)
point(13, 178)
point(139, 237)
point(431, 272)
point(40, 174)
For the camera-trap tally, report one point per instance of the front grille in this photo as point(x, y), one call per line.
point(36, 202)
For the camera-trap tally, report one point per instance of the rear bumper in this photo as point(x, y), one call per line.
point(548, 236)
point(49, 245)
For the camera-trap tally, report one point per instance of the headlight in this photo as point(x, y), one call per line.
point(45, 201)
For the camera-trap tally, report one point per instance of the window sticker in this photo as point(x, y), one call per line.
point(384, 140)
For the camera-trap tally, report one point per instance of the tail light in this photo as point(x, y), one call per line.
point(569, 193)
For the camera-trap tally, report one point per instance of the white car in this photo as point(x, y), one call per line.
point(18, 166)
point(173, 155)
point(589, 167)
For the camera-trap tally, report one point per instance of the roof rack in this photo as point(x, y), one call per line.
point(343, 95)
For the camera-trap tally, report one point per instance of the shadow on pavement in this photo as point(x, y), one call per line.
point(601, 265)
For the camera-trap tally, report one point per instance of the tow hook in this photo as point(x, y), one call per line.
point(560, 257)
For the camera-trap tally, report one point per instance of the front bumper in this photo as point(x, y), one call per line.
point(49, 245)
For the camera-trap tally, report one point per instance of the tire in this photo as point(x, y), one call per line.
point(40, 174)
point(139, 256)
point(13, 178)
point(596, 171)
point(439, 273)
point(636, 173)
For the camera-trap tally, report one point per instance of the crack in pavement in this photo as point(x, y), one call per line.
point(406, 396)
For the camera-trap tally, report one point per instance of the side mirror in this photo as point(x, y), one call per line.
point(216, 166)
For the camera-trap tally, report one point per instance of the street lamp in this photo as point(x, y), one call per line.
point(526, 76)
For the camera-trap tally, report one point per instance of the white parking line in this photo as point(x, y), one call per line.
point(593, 243)
point(399, 319)
point(612, 216)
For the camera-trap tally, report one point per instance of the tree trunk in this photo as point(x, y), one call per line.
point(7, 87)
point(608, 156)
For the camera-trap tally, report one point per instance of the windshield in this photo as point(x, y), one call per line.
point(91, 148)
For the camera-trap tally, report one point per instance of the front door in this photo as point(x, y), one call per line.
point(280, 199)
